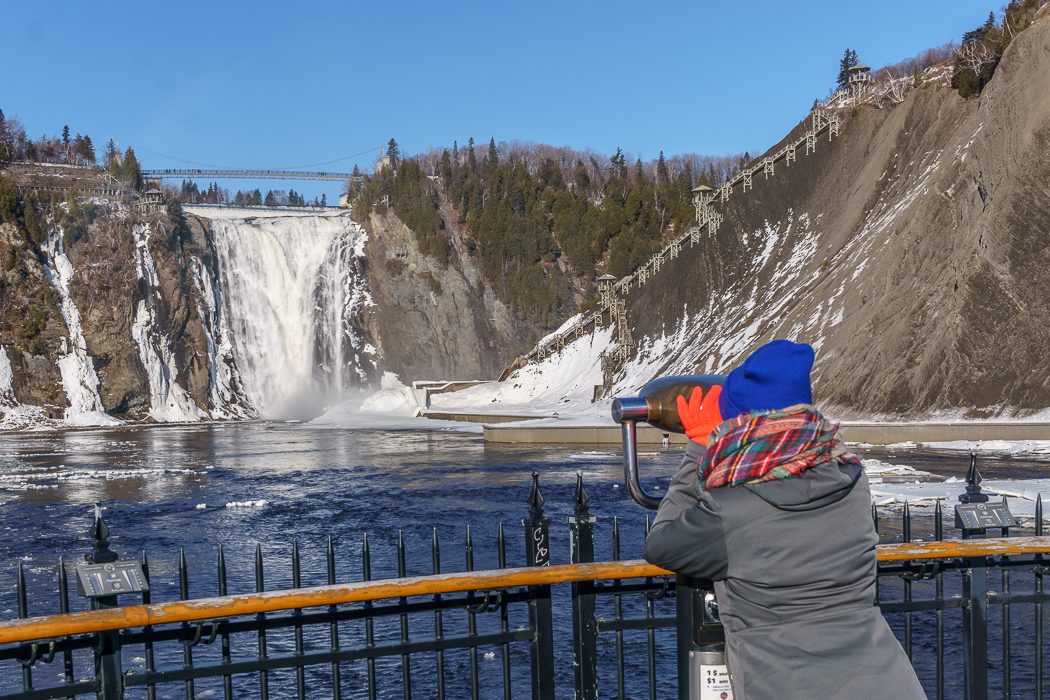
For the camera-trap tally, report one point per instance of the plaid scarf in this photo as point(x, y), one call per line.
point(767, 445)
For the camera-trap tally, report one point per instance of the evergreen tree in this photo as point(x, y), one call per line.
point(84, 149)
point(581, 181)
point(445, 168)
point(5, 141)
point(989, 24)
point(130, 171)
point(663, 177)
point(112, 162)
point(849, 60)
point(393, 152)
point(9, 203)
point(270, 200)
point(619, 164)
point(493, 157)
point(324, 199)
point(65, 144)
point(472, 161)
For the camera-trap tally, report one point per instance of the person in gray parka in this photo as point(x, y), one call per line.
point(771, 507)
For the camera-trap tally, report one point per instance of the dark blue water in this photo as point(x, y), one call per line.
point(166, 488)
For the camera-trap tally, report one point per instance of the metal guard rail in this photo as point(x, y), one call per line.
point(210, 609)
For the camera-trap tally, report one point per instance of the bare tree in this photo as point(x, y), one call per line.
point(975, 55)
point(895, 88)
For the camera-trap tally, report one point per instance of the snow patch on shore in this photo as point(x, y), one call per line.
point(1009, 447)
point(563, 382)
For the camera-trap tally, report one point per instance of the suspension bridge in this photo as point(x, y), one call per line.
point(202, 174)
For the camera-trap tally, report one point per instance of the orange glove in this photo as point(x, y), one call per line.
point(699, 418)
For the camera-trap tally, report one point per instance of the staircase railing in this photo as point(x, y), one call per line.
point(822, 121)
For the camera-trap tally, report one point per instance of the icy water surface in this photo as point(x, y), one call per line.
point(267, 484)
point(238, 485)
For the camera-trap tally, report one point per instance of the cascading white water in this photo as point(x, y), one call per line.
point(293, 292)
point(224, 381)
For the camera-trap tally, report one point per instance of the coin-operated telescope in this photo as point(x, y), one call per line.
point(657, 405)
point(702, 671)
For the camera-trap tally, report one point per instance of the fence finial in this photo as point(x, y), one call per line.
point(580, 497)
point(100, 533)
point(973, 484)
point(535, 498)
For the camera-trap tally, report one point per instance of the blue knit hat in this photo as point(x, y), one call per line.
point(774, 376)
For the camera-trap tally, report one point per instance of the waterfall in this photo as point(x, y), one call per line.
point(226, 397)
point(294, 295)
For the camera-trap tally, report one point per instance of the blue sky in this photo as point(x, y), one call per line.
point(292, 84)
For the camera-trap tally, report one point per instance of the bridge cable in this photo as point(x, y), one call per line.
point(227, 167)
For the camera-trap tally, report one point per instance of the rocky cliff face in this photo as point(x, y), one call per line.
point(31, 325)
point(130, 271)
point(913, 251)
point(432, 321)
point(103, 322)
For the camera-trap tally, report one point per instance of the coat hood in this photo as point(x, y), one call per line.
point(820, 486)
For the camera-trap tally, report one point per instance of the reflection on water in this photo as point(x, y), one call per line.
point(169, 486)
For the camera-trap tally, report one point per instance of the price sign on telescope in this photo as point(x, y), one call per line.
point(714, 683)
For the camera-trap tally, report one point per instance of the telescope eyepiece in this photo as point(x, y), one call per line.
point(634, 408)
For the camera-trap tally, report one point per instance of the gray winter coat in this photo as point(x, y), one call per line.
point(793, 563)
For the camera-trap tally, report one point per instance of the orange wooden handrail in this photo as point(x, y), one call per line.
point(129, 616)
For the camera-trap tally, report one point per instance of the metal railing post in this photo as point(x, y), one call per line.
point(537, 553)
point(700, 637)
point(975, 629)
point(687, 602)
point(107, 651)
point(584, 625)
point(975, 594)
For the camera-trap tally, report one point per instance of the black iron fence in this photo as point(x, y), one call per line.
point(969, 615)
